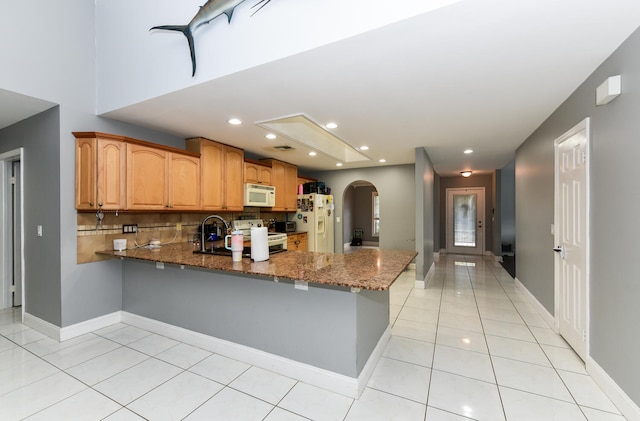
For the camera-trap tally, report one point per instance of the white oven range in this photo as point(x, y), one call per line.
point(277, 241)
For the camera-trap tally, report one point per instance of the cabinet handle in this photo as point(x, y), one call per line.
point(90, 203)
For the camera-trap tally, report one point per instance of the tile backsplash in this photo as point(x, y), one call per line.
point(166, 227)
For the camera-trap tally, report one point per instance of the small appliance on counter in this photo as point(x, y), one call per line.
point(285, 226)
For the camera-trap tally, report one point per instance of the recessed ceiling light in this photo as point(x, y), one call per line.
point(364, 148)
point(468, 151)
point(234, 121)
point(271, 136)
point(382, 161)
point(339, 164)
point(331, 125)
point(312, 153)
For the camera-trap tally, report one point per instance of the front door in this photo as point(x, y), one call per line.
point(571, 237)
point(465, 220)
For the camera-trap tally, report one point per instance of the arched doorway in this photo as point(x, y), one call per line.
point(360, 216)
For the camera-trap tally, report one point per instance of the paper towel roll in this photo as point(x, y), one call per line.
point(259, 244)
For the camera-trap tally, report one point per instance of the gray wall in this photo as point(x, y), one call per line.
point(395, 184)
point(508, 204)
point(348, 206)
point(614, 223)
point(40, 137)
point(363, 211)
point(57, 289)
point(327, 327)
point(92, 289)
point(424, 191)
point(481, 180)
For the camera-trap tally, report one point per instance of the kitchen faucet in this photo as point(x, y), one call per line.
point(202, 239)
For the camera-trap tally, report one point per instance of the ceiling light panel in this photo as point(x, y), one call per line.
point(304, 131)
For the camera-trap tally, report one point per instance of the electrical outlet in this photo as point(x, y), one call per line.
point(129, 228)
point(178, 227)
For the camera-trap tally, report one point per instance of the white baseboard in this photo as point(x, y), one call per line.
point(427, 279)
point(42, 326)
point(345, 385)
point(69, 332)
point(621, 400)
point(90, 325)
point(368, 368)
point(548, 317)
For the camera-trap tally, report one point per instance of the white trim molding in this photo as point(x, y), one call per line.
point(90, 325)
point(423, 284)
point(42, 326)
point(544, 313)
point(339, 383)
point(621, 400)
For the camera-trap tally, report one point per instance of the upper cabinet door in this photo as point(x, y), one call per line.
point(86, 173)
point(100, 173)
point(284, 177)
point(184, 182)
point(257, 173)
point(234, 176)
point(147, 172)
point(111, 185)
point(222, 170)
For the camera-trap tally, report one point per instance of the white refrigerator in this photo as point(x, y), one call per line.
point(315, 217)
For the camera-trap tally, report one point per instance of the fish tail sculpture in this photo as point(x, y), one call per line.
point(208, 12)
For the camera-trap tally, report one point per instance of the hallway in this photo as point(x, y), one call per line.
point(467, 347)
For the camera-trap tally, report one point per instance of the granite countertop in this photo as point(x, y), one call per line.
point(370, 269)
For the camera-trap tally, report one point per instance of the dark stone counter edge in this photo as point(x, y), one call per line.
point(291, 265)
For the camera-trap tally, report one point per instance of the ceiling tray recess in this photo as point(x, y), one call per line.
point(302, 130)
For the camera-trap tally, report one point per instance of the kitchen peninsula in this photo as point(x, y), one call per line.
point(321, 318)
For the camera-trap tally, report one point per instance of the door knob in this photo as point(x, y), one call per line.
point(561, 250)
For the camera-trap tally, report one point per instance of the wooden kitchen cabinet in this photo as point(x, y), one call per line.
point(221, 174)
point(257, 173)
point(284, 179)
point(303, 180)
point(158, 179)
point(184, 182)
point(297, 241)
point(100, 171)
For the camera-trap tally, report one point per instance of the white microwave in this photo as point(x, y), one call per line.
point(259, 195)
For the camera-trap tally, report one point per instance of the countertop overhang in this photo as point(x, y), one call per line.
point(370, 269)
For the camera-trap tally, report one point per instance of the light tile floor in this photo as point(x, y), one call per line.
point(469, 346)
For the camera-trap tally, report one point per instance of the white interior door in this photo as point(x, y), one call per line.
point(571, 237)
point(17, 237)
point(465, 220)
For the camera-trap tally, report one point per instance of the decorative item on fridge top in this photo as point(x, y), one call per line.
point(315, 217)
point(315, 187)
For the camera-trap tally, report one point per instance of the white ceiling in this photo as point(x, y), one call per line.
point(479, 74)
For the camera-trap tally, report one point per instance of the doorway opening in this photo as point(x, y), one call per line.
point(465, 220)
point(12, 229)
point(361, 216)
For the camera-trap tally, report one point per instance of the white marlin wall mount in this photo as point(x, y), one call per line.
point(211, 10)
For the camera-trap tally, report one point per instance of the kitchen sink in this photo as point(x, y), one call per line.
point(246, 252)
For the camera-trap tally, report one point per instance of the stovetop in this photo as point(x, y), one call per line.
point(245, 226)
